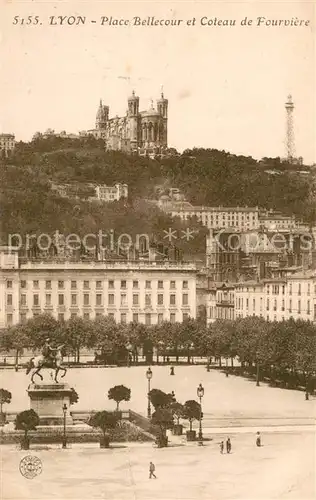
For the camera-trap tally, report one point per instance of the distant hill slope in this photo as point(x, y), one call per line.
point(205, 176)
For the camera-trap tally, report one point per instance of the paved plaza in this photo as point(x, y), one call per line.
point(233, 399)
point(283, 468)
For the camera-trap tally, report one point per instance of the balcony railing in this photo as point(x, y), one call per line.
point(225, 303)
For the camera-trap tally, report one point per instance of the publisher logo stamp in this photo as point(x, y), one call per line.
point(30, 467)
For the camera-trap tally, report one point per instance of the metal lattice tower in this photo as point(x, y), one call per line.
point(290, 136)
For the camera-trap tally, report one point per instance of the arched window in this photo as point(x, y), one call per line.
point(155, 132)
point(150, 131)
point(144, 131)
point(161, 131)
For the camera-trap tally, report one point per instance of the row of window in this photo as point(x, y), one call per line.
point(99, 284)
point(268, 318)
point(217, 215)
point(222, 313)
point(123, 317)
point(299, 289)
point(99, 299)
point(225, 296)
point(276, 289)
point(274, 305)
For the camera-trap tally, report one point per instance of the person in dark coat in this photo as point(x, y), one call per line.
point(258, 439)
point(152, 469)
point(228, 445)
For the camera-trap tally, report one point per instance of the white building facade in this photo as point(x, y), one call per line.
point(111, 193)
point(278, 299)
point(274, 299)
point(243, 218)
point(144, 292)
point(221, 303)
point(7, 144)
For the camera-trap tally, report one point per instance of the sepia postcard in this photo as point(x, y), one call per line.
point(157, 250)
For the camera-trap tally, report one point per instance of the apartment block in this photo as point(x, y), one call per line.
point(144, 292)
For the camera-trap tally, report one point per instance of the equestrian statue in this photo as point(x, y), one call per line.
point(50, 358)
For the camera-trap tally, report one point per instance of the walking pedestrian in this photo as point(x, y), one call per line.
point(152, 469)
point(171, 370)
point(221, 447)
point(228, 445)
point(258, 439)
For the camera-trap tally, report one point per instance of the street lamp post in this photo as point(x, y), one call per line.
point(64, 435)
point(200, 394)
point(149, 375)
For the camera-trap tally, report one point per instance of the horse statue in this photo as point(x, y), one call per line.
point(39, 362)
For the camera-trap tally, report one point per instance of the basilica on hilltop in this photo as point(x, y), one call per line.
point(144, 132)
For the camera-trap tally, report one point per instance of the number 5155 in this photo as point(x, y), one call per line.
point(28, 20)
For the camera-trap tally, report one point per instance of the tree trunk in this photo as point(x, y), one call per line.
point(232, 362)
point(220, 361)
point(117, 405)
point(258, 374)
point(78, 355)
point(17, 357)
point(242, 366)
point(191, 422)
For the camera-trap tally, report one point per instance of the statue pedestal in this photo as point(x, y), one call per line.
point(47, 400)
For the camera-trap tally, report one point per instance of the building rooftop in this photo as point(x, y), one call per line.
point(216, 209)
point(310, 273)
point(76, 264)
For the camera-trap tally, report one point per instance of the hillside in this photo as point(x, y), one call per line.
point(205, 176)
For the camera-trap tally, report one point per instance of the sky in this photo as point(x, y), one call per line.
point(226, 86)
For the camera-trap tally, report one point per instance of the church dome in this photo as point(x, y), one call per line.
point(150, 112)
